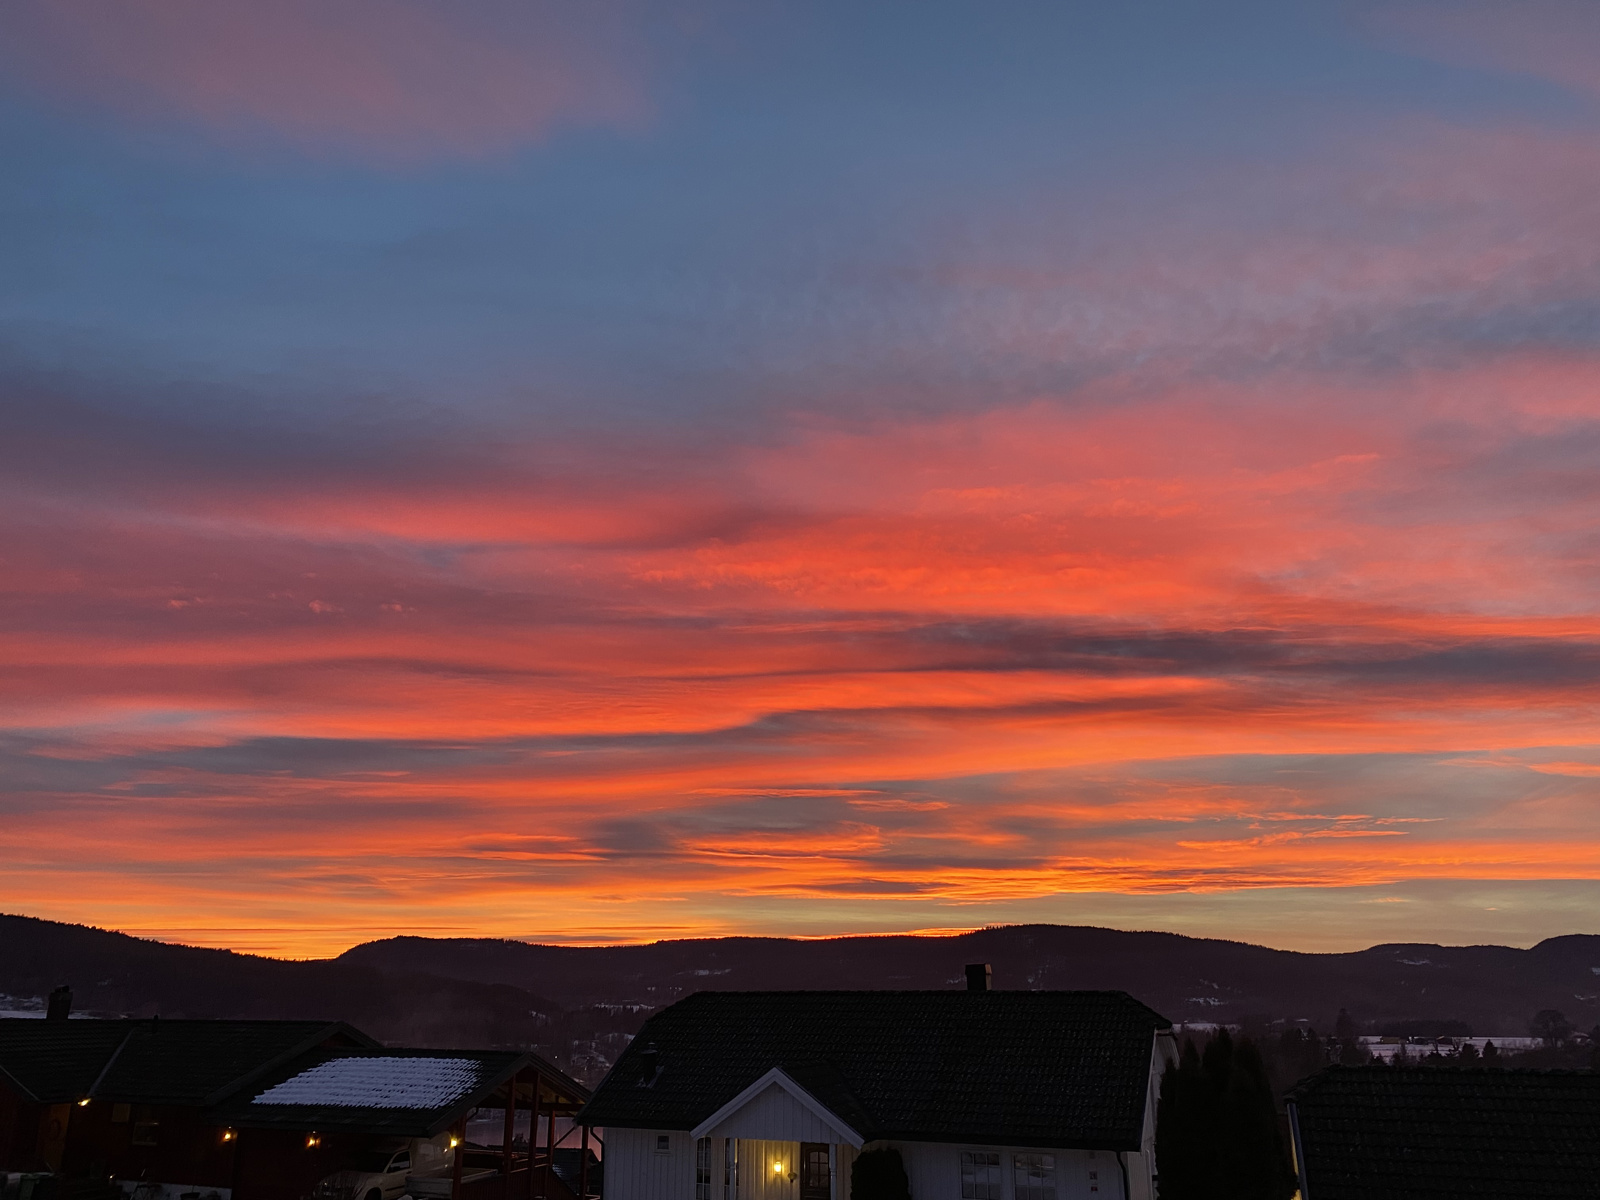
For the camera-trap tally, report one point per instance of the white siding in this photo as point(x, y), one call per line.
point(636, 1171)
point(844, 1158)
point(1142, 1166)
point(934, 1170)
point(778, 1116)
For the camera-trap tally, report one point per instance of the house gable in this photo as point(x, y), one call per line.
point(1064, 1070)
point(776, 1108)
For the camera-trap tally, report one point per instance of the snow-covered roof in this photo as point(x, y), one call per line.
point(379, 1081)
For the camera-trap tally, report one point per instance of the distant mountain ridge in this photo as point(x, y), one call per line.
point(115, 974)
point(1495, 989)
point(491, 992)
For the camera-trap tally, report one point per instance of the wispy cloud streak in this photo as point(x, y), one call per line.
point(736, 557)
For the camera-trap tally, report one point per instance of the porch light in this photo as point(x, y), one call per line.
point(454, 1142)
point(228, 1135)
point(313, 1140)
point(777, 1168)
point(84, 1103)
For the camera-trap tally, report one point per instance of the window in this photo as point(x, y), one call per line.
point(816, 1179)
point(663, 1143)
point(730, 1169)
point(980, 1175)
point(702, 1169)
point(1034, 1176)
point(144, 1133)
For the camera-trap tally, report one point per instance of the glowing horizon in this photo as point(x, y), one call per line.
point(800, 472)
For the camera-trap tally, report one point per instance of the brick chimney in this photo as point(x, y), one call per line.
point(978, 976)
point(60, 1004)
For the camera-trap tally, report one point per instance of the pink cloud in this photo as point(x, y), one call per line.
point(1557, 40)
point(387, 79)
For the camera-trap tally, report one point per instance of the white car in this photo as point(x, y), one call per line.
point(376, 1175)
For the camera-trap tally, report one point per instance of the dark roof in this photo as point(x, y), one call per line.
point(352, 1090)
point(1061, 1069)
point(1383, 1133)
point(51, 1062)
point(153, 1061)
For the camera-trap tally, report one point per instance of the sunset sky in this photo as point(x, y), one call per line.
point(600, 471)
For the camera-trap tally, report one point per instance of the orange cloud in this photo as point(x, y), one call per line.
point(1146, 635)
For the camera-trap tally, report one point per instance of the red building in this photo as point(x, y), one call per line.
point(260, 1110)
point(130, 1100)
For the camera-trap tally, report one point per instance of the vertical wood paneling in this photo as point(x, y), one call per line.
point(775, 1114)
point(934, 1170)
point(635, 1171)
point(844, 1157)
point(758, 1181)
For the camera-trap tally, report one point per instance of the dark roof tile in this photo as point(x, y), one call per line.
point(1064, 1069)
point(152, 1061)
point(52, 1062)
point(1383, 1133)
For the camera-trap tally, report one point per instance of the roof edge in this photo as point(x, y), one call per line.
point(778, 1076)
point(308, 1043)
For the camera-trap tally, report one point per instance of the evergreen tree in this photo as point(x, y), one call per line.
point(1185, 1138)
point(879, 1175)
point(1254, 1164)
point(1468, 1054)
point(1216, 1060)
point(1217, 1131)
point(1491, 1055)
point(1345, 1027)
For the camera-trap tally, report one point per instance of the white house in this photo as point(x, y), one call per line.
point(986, 1095)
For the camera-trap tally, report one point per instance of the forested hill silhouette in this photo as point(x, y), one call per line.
point(112, 974)
point(492, 992)
point(1494, 989)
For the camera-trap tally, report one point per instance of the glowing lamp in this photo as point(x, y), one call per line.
point(777, 1168)
point(84, 1103)
point(313, 1140)
point(228, 1135)
point(454, 1142)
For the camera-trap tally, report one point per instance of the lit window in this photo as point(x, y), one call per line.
point(702, 1169)
point(980, 1175)
point(1034, 1176)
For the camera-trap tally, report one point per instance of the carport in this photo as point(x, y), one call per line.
point(307, 1120)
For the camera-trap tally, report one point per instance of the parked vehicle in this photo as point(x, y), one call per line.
point(377, 1175)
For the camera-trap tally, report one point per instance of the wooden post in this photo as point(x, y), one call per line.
point(460, 1153)
point(583, 1167)
point(550, 1147)
point(510, 1130)
point(533, 1132)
